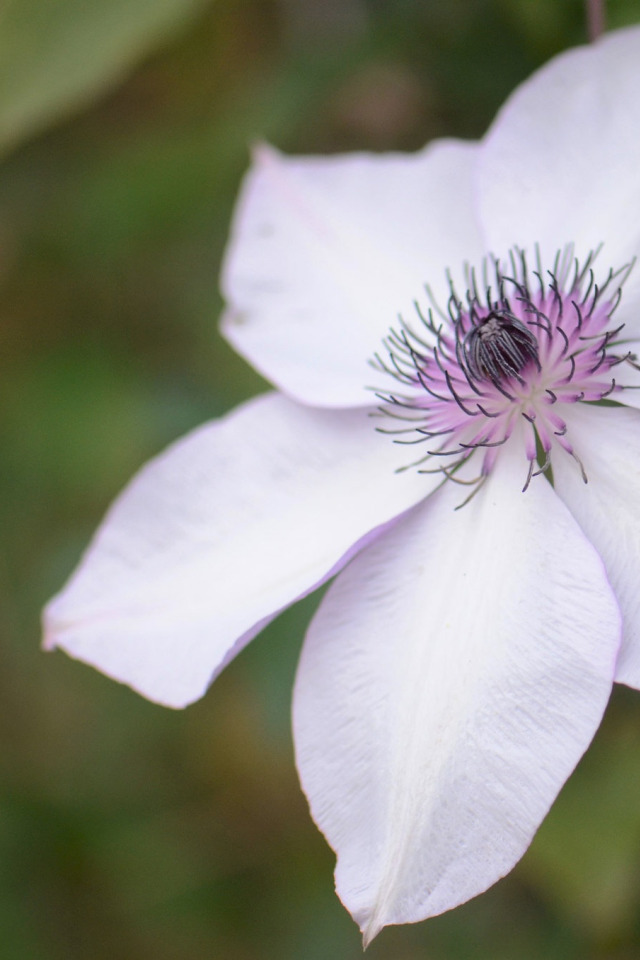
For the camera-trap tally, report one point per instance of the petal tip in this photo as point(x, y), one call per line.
point(49, 642)
point(49, 627)
point(263, 154)
point(370, 931)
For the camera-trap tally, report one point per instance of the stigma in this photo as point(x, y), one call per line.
point(499, 345)
point(507, 359)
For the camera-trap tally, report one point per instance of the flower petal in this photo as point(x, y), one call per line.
point(450, 681)
point(218, 534)
point(607, 440)
point(325, 253)
point(562, 161)
point(628, 374)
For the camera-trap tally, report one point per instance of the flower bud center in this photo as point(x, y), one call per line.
point(499, 345)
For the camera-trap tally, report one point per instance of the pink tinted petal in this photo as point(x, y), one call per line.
point(219, 533)
point(450, 681)
point(562, 161)
point(326, 252)
point(607, 440)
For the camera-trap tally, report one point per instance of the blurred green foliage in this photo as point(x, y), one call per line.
point(128, 832)
point(56, 56)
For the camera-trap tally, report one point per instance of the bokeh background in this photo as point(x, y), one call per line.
point(129, 832)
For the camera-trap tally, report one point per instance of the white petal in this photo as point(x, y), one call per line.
point(326, 252)
point(627, 375)
point(451, 680)
point(607, 440)
point(562, 160)
point(218, 534)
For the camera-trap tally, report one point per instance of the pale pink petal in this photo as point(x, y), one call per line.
point(607, 440)
point(327, 251)
point(218, 534)
point(450, 681)
point(561, 163)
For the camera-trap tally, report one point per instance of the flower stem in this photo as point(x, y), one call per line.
point(595, 18)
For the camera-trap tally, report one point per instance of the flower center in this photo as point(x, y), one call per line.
point(517, 351)
point(499, 344)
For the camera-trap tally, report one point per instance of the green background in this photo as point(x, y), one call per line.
point(129, 832)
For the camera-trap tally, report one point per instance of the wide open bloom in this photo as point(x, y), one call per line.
point(453, 336)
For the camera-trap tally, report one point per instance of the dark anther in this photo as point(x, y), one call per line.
point(498, 346)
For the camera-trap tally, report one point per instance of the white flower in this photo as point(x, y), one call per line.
point(458, 667)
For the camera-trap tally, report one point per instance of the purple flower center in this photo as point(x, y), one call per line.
point(510, 358)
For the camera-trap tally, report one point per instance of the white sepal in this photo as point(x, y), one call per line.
point(451, 680)
point(218, 534)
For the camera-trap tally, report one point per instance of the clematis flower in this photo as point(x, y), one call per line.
point(453, 337)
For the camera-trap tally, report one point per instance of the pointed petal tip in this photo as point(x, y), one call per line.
point(370, 931)
point(49, 631)
point(373, 919)
point(263, 154)
point(60, 632)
